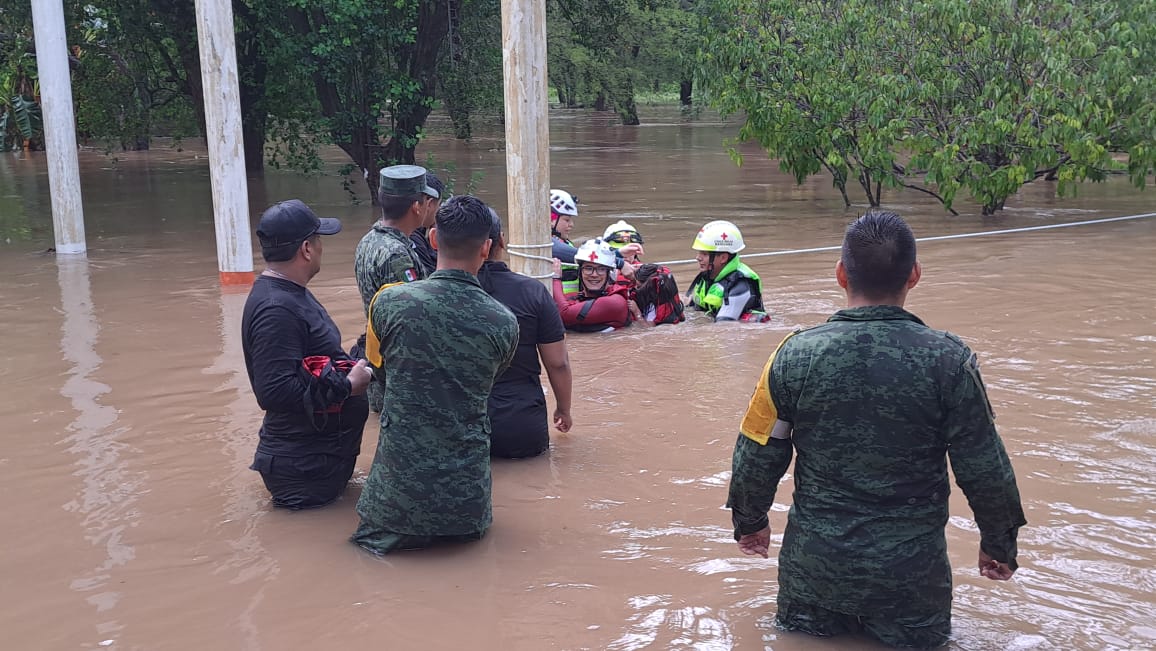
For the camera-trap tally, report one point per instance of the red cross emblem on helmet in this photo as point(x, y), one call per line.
point(594, 256)
point(724, 236)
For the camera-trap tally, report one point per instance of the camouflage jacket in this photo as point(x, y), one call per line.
point(875, 403)
point(443, 342)
point(385, 255)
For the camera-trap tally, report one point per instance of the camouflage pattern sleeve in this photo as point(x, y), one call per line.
point(981, 465)
point(762, 455)
point(755, 473)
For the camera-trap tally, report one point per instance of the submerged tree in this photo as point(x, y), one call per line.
point(939, 95)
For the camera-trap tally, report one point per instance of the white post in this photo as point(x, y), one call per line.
point(527, 135)
point(217, 44)
point(59, 125)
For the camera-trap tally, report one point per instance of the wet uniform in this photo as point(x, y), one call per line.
point(305, 457)
point(875, 403)
point(562, 249)
point(518, 416)
point(384, 256)
point(609, 311)
point(735, 295)
point(443, 341)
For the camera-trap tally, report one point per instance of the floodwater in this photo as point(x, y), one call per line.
point(131, 521)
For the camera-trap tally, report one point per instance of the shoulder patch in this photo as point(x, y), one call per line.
point(761, 421)
point(410, 275)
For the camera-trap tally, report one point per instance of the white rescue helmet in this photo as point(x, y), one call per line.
point(563, 203)
point(719, 237)
point(620, 233)
point(598, 252)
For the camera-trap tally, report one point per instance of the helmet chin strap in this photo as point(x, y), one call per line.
point(710, 264)
point(554, 216)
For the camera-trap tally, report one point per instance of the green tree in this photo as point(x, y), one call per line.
point(124, 88)
point(938, 95)
point(373, 68)
point(20, 120)
point(1013, 92)
point(470, 70)
point(600, 51)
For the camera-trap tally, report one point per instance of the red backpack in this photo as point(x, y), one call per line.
point(658, 289)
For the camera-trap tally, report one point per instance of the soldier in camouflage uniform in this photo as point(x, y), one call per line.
point(875, 403)
point(386, 255)
point(443, 341)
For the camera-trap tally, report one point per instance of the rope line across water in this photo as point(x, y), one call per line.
point(531, 256)
point(936, 238)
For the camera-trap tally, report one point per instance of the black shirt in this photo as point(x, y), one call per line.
point(423, 250)
point(283, 323)
point(538, 318)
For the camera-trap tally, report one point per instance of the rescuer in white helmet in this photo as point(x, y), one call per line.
point(725, 288)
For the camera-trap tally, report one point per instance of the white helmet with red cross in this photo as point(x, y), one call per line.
point(598, 252)
point(719, 237)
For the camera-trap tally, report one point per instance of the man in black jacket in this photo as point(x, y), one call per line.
point(314, 410)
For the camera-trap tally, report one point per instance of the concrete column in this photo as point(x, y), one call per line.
point(527, 135)
point(59, 125)
point(217, 44)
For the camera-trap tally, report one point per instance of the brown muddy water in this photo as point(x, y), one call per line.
point(131, 522)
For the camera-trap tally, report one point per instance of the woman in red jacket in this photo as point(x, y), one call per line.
point(601, 304)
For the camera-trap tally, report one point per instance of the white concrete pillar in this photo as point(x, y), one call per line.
point(218, 47)
point(59, 125)
point(527, 135)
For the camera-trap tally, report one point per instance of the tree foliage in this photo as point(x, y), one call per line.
point(600, 51)
point(470, 68)
point(20, 120)
point(939, 95)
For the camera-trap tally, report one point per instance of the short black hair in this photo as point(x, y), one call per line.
point(495, 225)
point(395, 206)
point(434, 182)
point(281, 253)
point(464, 223)
point(878, 254)
point(286, 252)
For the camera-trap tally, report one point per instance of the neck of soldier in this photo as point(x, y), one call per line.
point(447, 263)
point(291, 271)
point(407, 223)
point(860, 300)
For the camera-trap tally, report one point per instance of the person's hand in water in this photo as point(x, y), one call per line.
point(757, 543)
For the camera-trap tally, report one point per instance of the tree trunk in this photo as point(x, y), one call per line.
point(600, 102)
point(410, 113)
point(175, 12)
point(873, 193)
point(458, 99)
point(252, 72)
point(459, 112)
point(685, 97)
point(627, 110)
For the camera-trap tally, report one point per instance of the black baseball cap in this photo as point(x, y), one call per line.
point(285, 225)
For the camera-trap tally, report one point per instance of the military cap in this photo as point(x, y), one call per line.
point(402, 180)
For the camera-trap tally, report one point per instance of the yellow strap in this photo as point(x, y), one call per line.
point(761, 413)
point(372, 343)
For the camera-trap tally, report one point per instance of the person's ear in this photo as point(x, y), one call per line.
point(486, 246)
point(306, 250)
point(916, 274)
point(841, 274)
point(433, 237)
